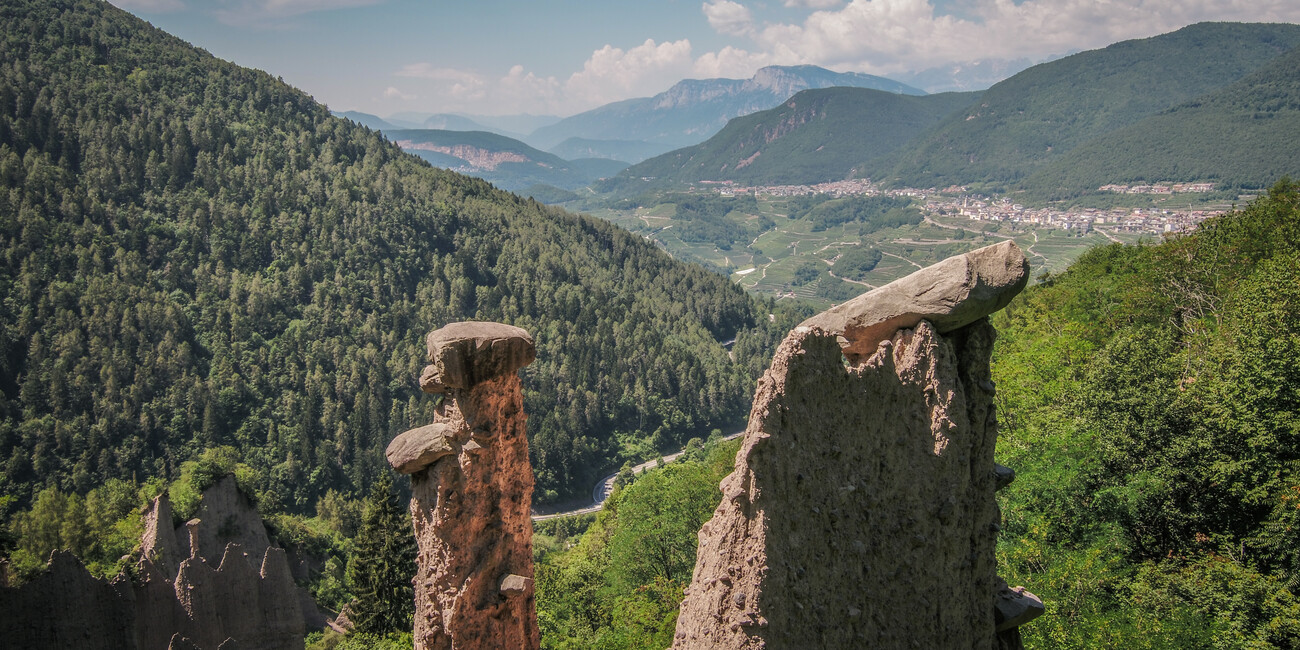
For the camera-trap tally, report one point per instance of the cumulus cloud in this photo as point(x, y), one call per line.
point(732, 63)
point(612, 73)
point(727, 17)
point(430, 71)
point(814, 4)
point(392, 92)
point(890, 35)
point(876, 36)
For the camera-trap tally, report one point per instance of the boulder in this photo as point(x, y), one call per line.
point(1013, 607)
point(418, 448)
point(466, 353)
point(951, 294)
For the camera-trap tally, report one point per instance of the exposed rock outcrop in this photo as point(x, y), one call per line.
point(859, 482)
point(214, 582)
point(92, 613)
point(471, 488)
point(951, 294)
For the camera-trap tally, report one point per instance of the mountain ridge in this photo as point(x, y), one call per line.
point(694, 109)
point(1044, 111)
point(1240, 136)
point(816, 136)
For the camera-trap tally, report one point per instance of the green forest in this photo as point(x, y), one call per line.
point(816, 136)
point(616, 581)
point(1033, 118)
point(195, 256)
point(1149, 401)
point(1230, 136)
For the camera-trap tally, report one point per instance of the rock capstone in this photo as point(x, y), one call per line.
point(857, 481)
point(471, 492)
point(951, 294)
point(468, 353)
point(416, 449)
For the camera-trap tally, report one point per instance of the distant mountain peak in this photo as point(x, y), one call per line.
point(694, 109)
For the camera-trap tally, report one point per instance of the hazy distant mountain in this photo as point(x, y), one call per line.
point(520, 123)
point(365, 119)
point(816, 136)
point(1243, 135)
point(629, 151)
point(694, 109)
point(505, 162)
point(1041, 113)
point(511, 126)
point(452, 122)
point(970, 75)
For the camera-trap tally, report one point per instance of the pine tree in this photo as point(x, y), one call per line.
point(382, 565)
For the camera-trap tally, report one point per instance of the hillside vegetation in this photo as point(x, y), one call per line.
point(195, 255)
point(1149, 399)
point(1237, 137)
point(1041, 113)
point(815, 136)
point(619, 583)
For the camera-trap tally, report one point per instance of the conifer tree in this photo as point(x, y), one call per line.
point(382, 565)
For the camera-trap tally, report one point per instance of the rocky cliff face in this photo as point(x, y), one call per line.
point(861, 509)
point(214, 582)
point(471, 488)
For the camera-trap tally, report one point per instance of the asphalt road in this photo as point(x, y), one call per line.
point(601, 490)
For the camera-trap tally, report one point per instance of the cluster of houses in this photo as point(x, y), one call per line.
point(978, 208)
point(1081, 220)
point(1167, 188)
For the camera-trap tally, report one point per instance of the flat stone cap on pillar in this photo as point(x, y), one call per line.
point(464, 354)
point(418, 448)
point(951, 294)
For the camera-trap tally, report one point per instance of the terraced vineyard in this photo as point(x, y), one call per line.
point(769, 264)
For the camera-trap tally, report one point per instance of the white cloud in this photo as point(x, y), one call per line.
point(149, 6)
point(392, 92)
point(727, 17)
point(612, 73)
point(609, 74)
point(814, 4)
point(891, 35)
point(429, 71)
point(732, 63)
point(876, 36)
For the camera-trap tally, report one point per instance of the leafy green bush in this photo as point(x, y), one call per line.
point(1149, 399)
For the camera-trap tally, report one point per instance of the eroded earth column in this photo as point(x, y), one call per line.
point(472, 489)
point(861, 511)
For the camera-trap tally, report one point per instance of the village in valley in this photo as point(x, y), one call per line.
point(956, 201)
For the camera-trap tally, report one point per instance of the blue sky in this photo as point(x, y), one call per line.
point(497, 57)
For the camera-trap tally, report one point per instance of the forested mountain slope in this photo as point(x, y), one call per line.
point(1149, 399)
point(500, 160)
point(1242, 136)
point(1041, 113)
point(195, 254)
point(816, 136)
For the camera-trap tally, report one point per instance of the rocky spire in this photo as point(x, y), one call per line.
point(861, 509)
point(471, 489)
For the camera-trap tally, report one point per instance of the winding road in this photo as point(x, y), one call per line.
point(601, 490)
